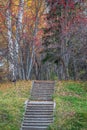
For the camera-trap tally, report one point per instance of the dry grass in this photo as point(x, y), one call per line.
point(12, 98)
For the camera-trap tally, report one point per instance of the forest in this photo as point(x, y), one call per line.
point(43, 64)
point(43, 39)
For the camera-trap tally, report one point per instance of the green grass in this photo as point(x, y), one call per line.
point(70, 98)
point(12, 100)
point(71, 106)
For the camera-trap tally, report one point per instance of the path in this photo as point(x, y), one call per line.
point(39, 110)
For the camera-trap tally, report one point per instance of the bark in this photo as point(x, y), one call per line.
point(10, 45)
point(31, 63)
point(13, 46)
point(64, 48)
point(19, 24)
point(19, 32)
point(75, 69)
point(33, 47)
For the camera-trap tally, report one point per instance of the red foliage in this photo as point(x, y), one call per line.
point(64, 3)
point(71, 14)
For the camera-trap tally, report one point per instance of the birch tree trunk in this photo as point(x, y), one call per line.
point(19, 24)
point(33, 47)
point(10, 45)
point(19, 32)
point(13, 47)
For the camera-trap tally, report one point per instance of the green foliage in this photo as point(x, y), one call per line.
point(53, 76)
point(48, 57)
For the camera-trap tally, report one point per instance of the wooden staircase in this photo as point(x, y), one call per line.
point(39, 110)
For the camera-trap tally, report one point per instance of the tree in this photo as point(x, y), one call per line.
point(22, 25)
point(62, 21)
point(13, 46)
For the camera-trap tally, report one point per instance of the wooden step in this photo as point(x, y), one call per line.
point(38, 113)
point(41, 98)
point(42, 92)
point(40, 116)
point(39, 108)
point(36, 124)
point(34, 128)
point(38, 119)
point(40, 103)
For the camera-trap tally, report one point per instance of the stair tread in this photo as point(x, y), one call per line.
point(37, 118)
point(39, 110)
point(40, 116)
point(37, 123)
point(34, 126)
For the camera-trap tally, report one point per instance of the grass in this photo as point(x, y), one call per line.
point(70, 98)
point(12, 98)
point(71, 106)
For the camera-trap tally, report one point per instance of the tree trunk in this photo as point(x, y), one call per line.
point(19, 32)
point(10, 45)
point(75, 69)
point(33, 46)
